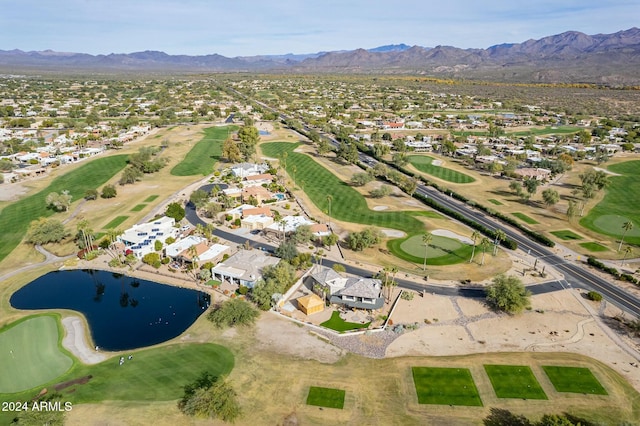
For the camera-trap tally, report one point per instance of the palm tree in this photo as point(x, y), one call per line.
point(627, 226)
point(474, 237)
point(426, 240)
point(500, 236)
point(329, 200)
point(484, 245)
point(627, 251)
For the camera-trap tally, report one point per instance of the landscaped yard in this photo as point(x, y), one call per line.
point(205, 153)
point(574, 379)
point(424, 164)
point(618, 206)
point(523, 217)
point(594, 247)
point(31, 354)
point(16, 217)
point(514, 381)
point(326, 397)
point(117, 221)
point(350, 206)
point(565, 234)
point(338, 324)
point(445, 386)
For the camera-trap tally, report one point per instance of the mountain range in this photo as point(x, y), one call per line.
point(570, 57)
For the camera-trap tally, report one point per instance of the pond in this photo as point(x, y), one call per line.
point(123, 312)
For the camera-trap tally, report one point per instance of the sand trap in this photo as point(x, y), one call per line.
point(76, 343)
point(436, 163)
point(393, 233)
point(450, 234)
point(379, 208)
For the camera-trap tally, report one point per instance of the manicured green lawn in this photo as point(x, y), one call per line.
point(574, 379)
point(445, 386)
point(326, 397)
point(441, 250)
point(116, 222)
point(138, 207)
point(618, 205)
point(348, 204)
point(338, 324)
point(157, 374)
point(514, 381)
point(424, 164)
point(16, 217)
point(494, 201)
point(565, 234)
point(523, 217)
point(204, 154)
point(595, 247)
point(151, 198)
point(30, 353)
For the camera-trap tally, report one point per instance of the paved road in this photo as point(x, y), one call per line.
point(574, 275)
point(471, 292)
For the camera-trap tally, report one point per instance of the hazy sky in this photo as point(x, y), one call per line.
point(251, 27)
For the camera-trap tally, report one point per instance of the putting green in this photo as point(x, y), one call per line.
point(611, 224)
point(31, 354)
point(438, 247)
point(619, 204)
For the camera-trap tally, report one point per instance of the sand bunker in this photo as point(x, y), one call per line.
point(436, 163)
point(450, 234)
point(393, 233)
point(379, 208)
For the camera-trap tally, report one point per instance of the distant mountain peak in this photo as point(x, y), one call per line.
point(390, 48)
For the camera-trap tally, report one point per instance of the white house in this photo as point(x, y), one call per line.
point(141, 238)
point(243, 268)
point(248, 169)
point(354, 292)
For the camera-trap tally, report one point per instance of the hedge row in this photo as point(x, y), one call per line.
point(592, 261)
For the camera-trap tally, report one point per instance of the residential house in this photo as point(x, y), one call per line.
point(531, 173)
point(258, 180)
point(259, 193)
point(141, 238)
point(248, 169)
point(243, 268)
point(256, 218)
point(353, 292)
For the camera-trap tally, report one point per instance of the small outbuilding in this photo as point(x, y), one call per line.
point(311, 304)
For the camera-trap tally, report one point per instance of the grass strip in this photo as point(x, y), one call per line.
point(326, 397)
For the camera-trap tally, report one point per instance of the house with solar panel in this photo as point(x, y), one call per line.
point(141, 238)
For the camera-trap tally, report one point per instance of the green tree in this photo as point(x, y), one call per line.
point(91, 194)
point(330, 239)
point(302, 235)
point(361, 179)
point(130, 175)
point(231, 151)
point(426, 240)
point(43, 231)
point(108, 191)
point(210, 397)
point(380, 192)
point(485, 243)
point(287, 250)
point(176, 211)
point(199, 198)
point(475, 235)
point(59, 202)
point(499, 237)
point(550, 197)
point(339, 268)
point(233, 312)
point(572, 209)
point(508, 294)
point(249, 137)
point(358, 241)
point(626, 227)
point(531, 185)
